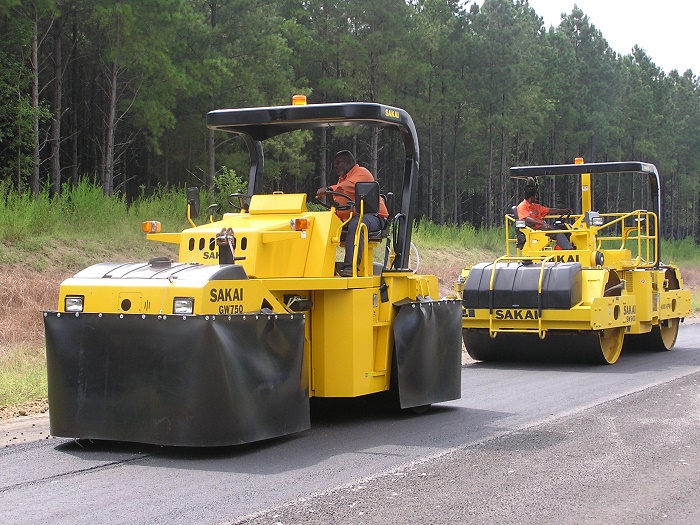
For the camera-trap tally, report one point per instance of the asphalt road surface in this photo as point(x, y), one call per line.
point(526, 443)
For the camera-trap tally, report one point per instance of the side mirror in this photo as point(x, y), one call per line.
point(193, 202)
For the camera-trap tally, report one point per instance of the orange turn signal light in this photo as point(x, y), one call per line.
point(299, 224)
point(150, 227)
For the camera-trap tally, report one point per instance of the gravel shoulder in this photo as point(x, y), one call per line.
point(631, 461)
point(24, 429)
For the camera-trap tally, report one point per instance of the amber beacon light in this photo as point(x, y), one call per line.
point(150, 227)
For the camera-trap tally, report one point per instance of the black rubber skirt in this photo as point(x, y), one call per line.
point(428, 342)
point(186, 381)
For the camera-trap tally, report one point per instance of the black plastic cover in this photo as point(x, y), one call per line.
point(187, 381)
point(516, 286)
point(428, 341)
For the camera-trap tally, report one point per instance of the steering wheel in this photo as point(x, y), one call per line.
point(562, 220)
point(242, 203)
point(328, 195)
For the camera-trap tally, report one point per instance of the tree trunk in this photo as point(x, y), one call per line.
point(211, 154)
point(34, 183)
point(211, 142)
point(443, 168)
point(456, 212)
point(694, 219)
point(501, 199)
point(75, 97)
point(430, 168)
point(56, 123)
point(324, 158)
point(108, 175)
point(489, 178)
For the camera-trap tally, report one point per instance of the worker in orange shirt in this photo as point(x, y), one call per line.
point(533, 213)
point(349, 173)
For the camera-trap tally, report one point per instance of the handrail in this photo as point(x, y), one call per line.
point(361, 230)
point(542, 260)
point(642, 238)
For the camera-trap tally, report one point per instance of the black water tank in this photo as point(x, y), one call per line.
point(516, 285)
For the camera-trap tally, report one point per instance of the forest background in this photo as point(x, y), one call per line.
point(116, 92)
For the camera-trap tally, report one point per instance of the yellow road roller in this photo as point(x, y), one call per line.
point(609, 288)
point(228, 343)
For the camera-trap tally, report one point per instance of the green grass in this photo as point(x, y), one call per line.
point(22, 375)
point(683, 252)
point(81, 226)
point(432, 236)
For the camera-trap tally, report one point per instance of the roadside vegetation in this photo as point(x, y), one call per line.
point(488, 85)
point(43, 241)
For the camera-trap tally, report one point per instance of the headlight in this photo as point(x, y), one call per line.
point(183, 305)
point(74, 303)
point(593, 218)
point(520, 223)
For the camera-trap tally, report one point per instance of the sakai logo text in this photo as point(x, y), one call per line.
point(516, 314)
point(567, 258)
point(210, 255)
point(220, 295)
point(391, 113)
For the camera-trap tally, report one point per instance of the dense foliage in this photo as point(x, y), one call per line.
point(117, 91)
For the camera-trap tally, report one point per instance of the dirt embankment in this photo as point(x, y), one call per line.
point(24, 294)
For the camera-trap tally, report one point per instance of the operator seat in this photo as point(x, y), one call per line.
point(368, 194)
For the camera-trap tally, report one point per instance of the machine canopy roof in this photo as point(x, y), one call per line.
point(266, 122)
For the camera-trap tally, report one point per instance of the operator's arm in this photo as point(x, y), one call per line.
point(535, 224)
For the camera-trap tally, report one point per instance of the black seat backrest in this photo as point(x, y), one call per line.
point(384, 232)
point(368, 192)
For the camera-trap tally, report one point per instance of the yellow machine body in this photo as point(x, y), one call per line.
point(611, 286)
point(229, 343)
point(348, 338)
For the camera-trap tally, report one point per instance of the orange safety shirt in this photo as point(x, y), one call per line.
point(534, 210)
point(346, 185)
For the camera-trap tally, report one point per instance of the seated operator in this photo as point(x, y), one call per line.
point(350, 173)
point(533, 213)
